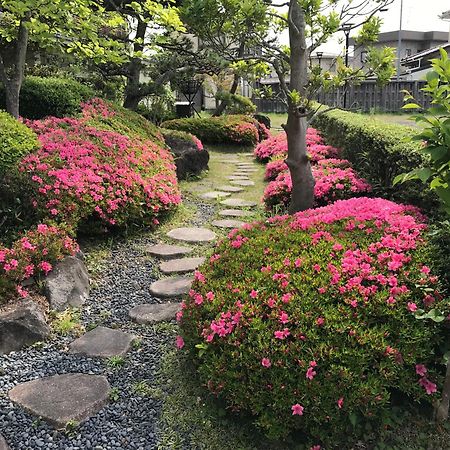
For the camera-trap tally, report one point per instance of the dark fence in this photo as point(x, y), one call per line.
point(365, 97)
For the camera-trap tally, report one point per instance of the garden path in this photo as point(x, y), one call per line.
point(98, 390)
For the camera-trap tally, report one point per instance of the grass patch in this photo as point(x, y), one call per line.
point(67, 322)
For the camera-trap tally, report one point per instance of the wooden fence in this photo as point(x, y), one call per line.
point(366, 97)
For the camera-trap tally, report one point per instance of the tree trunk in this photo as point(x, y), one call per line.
point(132, 94)
point(12, 66)
point(443, 406)
point(299, 167)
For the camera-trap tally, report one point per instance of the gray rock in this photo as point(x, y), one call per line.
point(228, 188)
point(3, 444)
point(181, 265)
point(167, 251)
point(235, 213)
point(22, 324)
point(171, 287)
point(242, 182)
point(192, 234)
point(227, 223)
point(60, 399)
point(237, 202)
point(238, 177)
point(215, 195)
point(67, 284)
point(103, 342)
point(149, 313)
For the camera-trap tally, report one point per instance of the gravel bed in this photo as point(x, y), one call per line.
point(131, 421)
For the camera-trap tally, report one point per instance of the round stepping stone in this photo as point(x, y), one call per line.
point(167, 251)
point(228, 223)
point(145, 314)
point(171, 287)
point(235, 213)
point(231, 188)
point(242, 182)
point(237, 202)
point(102, 342)
point(60, 399)
point(3, 444)
point(215, 194)
point(238, 177)
point(193, 234)
point(181, 265)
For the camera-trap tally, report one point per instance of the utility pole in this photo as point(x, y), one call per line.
point(399, 43)
point(346, 28)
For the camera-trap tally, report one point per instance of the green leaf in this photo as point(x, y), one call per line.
point(411, 106)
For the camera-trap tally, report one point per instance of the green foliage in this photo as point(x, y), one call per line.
point(158, 108)
point(16, 141)
point(380, 151)
point(42, 97)
point(229, 129)
point(236, 104)
point(436, 134)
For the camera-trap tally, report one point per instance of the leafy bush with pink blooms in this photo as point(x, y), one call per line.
point(32, 256)
point(310, 322)
point(332, 183)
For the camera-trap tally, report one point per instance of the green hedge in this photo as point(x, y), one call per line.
point(42, 97)
point(228, 129)
point(380, 152)
point(16, 141)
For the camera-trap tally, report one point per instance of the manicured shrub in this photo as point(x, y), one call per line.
point(82, 172)
point(380, 151)
point(42, 97)
point(236, 104)
point(275, 167)
point(310, 322)
point(16, 141)
point(228, 129)
point(33, 255)
point(182, 136)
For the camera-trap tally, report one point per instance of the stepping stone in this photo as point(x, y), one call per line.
point(60, 399)
point(235, 213)
point(246, 171)
point(3, 444)
point(231, 188)
point(238, 177)
point(181, 265)
point(171, 287)
point(147, 313)
point(167, 251)
point(229, 161)
point(215, 194)
point(238, 202)
point(193, 234)
point(102, 342)
point(242, 182)
point(227, 223)
point(241, 174)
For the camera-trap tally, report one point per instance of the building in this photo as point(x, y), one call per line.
point(416, 66)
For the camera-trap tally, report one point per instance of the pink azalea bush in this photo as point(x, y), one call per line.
point(332, 183)
point(309, 321)
point(83, 172)
point(33, 255)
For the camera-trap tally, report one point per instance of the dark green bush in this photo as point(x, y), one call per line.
point(42, 97)
point(236, 104)
point(380, 152)
point(16, 141)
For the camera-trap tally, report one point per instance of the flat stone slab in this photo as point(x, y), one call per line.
point(102, 342)
point(60, 399)
point(192, 234)
point(215, 194)
point(238, 177)
point(167, 251)
point(171, 287)
point(230, 188)
point(232, 161)
point(245, 171)
point(228, 223)
point(242, 182)
point(235, 213)
point(237, 202)
point(181, 265)
point(3, 444)
point(147, 313)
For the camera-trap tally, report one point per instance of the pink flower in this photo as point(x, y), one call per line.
point(286, 298)
point(179, 342)
point(310, 373)
point(315, 447)
point(340, 402)
point(45, 266)
point(421, 370)
point(210, 296)
point(412, 307)
point(253, 294)
point(430, 387)
point(265, 362)
point(425, 269)
point(320, 321)
point(297, 410)
point(282, 334)
point(284, 318)
point(199, 276)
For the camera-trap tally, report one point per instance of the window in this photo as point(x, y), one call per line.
point(408, 52)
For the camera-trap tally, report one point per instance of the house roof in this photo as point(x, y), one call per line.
point(410, 35)
point(425, 53)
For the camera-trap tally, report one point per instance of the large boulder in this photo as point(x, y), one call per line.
point(3, 444)
point(22, 324)
point(67, 284)
point(189, 158)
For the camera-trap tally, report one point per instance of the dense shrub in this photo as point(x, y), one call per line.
point(309, 322)
point(236, 104)
point(16, 141)
point(42, 97)
point(332, 183)
point(380, 151)
point(33, 255)
point(228, 129)
point(82, 172)
point(182, 136)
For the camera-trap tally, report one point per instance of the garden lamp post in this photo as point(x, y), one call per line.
point(346, 28)
point(319, 57)
point(399, 43)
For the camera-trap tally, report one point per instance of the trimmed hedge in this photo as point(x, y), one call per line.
point(228, 129)
point(16, 141)
point(380, 151)
point(42, 97)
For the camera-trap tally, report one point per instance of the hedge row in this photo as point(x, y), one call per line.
point(380, 151)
